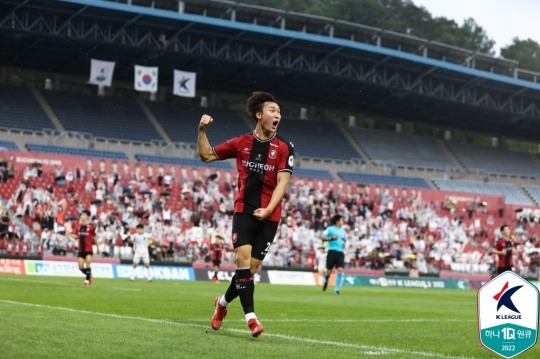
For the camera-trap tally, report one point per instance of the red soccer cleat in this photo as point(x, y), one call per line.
point(255, 327)
point(219, 314)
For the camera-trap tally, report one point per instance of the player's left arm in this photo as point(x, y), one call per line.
point(283, 179)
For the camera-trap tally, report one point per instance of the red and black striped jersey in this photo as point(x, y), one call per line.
point(85, 233)
point(217, 251)
point(258, 162)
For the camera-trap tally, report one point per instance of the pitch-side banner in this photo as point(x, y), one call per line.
point(184, 83)
point(146, 78)
point(101, 72)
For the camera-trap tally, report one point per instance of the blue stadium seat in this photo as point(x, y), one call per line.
point(493, 160)
point(180, 122)
point(19, 109)
point(402, 149)
point(85, 152)
point(511, 193)
point(183, 161)
point(312, 173)
point(106, 117)
point(8, 145)
point(317, 139)
point(384, 180)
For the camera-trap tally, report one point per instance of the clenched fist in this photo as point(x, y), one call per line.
point(205, 121)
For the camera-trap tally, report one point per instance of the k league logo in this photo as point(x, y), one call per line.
point(508, 314)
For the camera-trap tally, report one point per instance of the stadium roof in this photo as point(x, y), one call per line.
point(307, 59)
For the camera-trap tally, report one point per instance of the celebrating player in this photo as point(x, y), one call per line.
point(264, 162)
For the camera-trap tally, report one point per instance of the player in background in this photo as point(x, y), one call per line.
point(503, 249)
point(335, 235)
point(217, 249)
point(320, 256)
point(85, 233)
point(264, 163)
point(141, 241)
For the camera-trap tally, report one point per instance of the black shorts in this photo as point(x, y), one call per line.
point(216, 263)
point(84, 254)
point(335, 259)
point(503, 269)
point(248, 230)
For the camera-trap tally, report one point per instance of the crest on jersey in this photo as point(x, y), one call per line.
point(272, 154)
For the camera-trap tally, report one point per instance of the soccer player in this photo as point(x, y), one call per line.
point(503, 248)
point(141, 241)
point(217, 254)
point(335, 235)
point(85, 233)
point(264, 163)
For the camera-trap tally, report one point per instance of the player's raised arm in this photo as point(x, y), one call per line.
point(203, 145)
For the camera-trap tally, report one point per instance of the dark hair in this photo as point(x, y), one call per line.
point(503, 226)
point(255, 102)
point(87, 212)
point(140, 226)
point(335, 219)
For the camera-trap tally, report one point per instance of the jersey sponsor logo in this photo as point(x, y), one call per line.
point(258, 167)
point(272, 154)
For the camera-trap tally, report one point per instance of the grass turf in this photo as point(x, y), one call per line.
point(55, 317)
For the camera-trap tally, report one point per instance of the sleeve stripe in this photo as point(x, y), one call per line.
point(215, 154)
point(285, 170)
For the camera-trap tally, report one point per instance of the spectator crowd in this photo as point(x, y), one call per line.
point(184, 208)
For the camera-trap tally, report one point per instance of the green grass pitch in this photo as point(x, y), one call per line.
point(55, 317)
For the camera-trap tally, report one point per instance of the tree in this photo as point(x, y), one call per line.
point(526, 52)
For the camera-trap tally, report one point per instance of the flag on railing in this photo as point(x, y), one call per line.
point(101, 72)
point(184, 83)
point(146, 78)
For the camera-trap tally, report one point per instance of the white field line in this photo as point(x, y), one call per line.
point(307, 320)
point(366, 349)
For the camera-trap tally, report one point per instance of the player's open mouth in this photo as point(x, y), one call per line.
point(275, 123)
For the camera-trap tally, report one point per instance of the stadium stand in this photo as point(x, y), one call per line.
point(8, 145)
point(105, 117)
point(19, 109)
point(384, 180)
point(492, 160)
point(317, 139)
point(511, 193)
point(313, 173)
point(183, 161)
point(402, 149)
point(75, 151)
point(180, 122)
point(534, 192)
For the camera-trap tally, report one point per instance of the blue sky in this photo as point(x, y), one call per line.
point(505, 19)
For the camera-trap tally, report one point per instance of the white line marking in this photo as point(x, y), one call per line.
point(417, 320)
point(367, 349)
point(128, 289)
